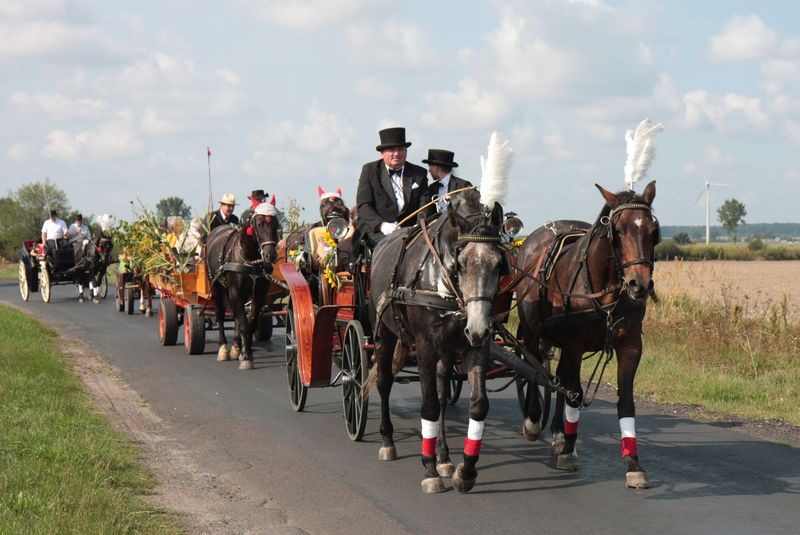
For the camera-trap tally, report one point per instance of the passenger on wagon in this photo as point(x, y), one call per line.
point(389, 189)
point(224, 216)
point(440, 166)
point(78, 229)
point(54, 229)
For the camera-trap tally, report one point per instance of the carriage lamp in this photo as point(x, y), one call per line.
point(512, 225)
point(337, 227)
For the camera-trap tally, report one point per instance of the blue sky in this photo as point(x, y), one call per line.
point(117, 101)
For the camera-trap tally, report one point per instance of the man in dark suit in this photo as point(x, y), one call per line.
point(257, 196)
point(440, 166)
point(224, 215)
point(390, 188)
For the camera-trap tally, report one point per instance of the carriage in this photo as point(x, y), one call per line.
point(327, 325)
point(42, 268)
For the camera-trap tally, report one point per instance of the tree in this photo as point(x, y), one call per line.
point(681, 238)
point(730, 214)
point(172, 206)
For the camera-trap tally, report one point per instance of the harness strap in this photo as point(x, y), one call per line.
point(444, 274)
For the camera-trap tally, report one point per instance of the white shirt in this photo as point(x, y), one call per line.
point(444, 184)
point(54, 229)
point(397, 186)
point(83, 231)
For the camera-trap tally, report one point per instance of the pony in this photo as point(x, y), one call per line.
point(238, 261)
point(436, 297)
point(590, 297)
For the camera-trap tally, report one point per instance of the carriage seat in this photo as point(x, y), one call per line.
point(60, 253)
point(562, 243)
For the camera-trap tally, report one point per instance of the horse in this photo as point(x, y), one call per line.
point(92, 258)
point(436, 297)
point(594, 300)
point(238, 261)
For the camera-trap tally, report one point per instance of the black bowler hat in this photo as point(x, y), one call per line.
point(257, 194)
point(440, 157)
point(393, 137)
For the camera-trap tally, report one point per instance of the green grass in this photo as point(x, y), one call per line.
point(669, 250)
point(8, 271)
point(713, 357)
point(63, 468)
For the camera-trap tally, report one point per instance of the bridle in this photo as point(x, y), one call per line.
point(609, 220)
point(261, 243)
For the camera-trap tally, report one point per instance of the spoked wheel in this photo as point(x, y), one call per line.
point(297, 390)
point(44, 284)
point(130, 300)
point(454, 386)
point(24, 290)
point(102, 292)
point(195, 331)
point(355, 370)
point(167, 322)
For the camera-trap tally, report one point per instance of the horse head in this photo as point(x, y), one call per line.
point(634, 232)
point(332, 205)
point(472, 253)
point(265, 231)
point(103, 247)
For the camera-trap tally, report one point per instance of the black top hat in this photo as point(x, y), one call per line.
point(440, 157)
point(257, 194)
point(53, 213)
point(393, 137)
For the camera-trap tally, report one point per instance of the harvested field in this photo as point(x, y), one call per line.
point(754, 286)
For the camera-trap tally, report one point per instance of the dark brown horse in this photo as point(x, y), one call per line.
point(439, 311)
point(238, 260)
point(591, 297)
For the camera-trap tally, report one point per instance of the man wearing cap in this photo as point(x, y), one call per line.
point(54, 229)
point(257, 196)
point(440, 166)
point(78, 229)
point(224, 216)
point(390, 188)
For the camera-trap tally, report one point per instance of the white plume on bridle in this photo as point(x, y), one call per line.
point(641, 151)
point(105, 221)
point(494, 171)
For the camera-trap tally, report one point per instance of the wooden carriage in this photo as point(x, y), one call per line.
point(41, 269)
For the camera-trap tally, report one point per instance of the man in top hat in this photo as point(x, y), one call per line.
point(78, 229)
point(257, 196)
point(389, 189)
point(54, 229)
point(440, 166)
point(224, 216)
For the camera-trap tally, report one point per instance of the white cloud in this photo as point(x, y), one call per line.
point(644, 55)
point(371, 88)
point(593, 4)
point(57, 107)
point(391, 45)
point(312, 14)
point(792, 130)
point(712, 158)
point(742, 39)
point(228, 76)
point(19, 152)
point(114, 139)
point(727, 113)
point(469, 107)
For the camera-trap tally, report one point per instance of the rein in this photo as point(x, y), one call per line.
point(431, 203)
point(435, 254)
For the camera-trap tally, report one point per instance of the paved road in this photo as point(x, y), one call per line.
point(705, 478)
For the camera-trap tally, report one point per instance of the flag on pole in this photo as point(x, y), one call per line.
point(209, 151)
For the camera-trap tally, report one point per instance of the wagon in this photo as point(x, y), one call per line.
point(187, 300)
point(40, 269)
point(329, 326)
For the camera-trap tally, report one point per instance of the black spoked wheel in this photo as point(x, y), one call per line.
point(24, 290)
point(454, 387)
point(297, 390)
point(355, 370)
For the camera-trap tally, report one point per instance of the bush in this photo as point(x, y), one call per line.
point(682, 238)
point(755, 244)
point(668, 250)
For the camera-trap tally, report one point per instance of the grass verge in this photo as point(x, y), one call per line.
point(63, 468)
point(8, 270)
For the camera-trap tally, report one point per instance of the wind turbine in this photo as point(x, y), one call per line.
point(707, 191)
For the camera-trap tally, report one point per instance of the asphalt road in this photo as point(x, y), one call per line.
point(705, 478)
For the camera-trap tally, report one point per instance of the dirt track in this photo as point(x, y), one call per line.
point(755, 286)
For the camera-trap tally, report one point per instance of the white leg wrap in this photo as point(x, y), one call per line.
point(80, 288)
point(430, 429)
point(572, 414)
point(475, 430)
point(627, 427)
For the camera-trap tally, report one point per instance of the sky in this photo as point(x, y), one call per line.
point(116, 102)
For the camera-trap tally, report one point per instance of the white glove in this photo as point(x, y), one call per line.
point(388, 228)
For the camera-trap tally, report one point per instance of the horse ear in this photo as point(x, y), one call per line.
point(607, 195)
point(320, 191)
point(496, 218)
point(649, 193)
point(339, 191)
point(272, 201)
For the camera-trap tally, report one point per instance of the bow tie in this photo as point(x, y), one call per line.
point(395, 172)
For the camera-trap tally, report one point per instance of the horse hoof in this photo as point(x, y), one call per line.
point(235, 352)
point(432, 485)
point(558, 444)
point(246, 365)
point(445, 469)
point(387, 453)
point(80, 299)
point(149, 313)
point(222, 354)
point(459, 483)
point(531, 430)
point(96, 300)
point(636, 480)
point(567, 461)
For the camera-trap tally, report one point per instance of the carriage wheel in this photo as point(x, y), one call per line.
point(24, 291)
point(264, 328)
point(44, 283)
point(355, 371)
point(297, 390)
point(130, 300)
point(454, 386)
point(194, 331)
point(167, 322)
point(102, 292)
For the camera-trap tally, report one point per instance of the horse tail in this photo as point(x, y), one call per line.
point(399, 359)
